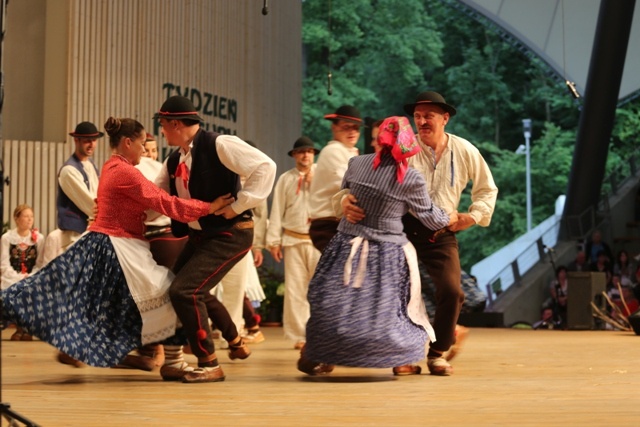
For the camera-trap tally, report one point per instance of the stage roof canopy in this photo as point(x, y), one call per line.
point(561, 32)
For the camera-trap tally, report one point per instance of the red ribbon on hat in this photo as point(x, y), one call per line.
point(166, 113)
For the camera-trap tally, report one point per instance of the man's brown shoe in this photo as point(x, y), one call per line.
point(439, 366)
point(175, 373)
point(407, 370)
point(239, 351)
point(204, 375)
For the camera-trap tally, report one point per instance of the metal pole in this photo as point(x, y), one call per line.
point(607, 62)
point(526, 126)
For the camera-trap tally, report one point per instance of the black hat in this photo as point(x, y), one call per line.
point(346, 112)
point(178, 108)
point(303, 142)
point(86, 130)
point(430, 98)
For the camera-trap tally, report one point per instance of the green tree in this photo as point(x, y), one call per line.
point(551, 155)
point(376, 50)
point(383, 52)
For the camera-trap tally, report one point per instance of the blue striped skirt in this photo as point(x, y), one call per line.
point(364, 325)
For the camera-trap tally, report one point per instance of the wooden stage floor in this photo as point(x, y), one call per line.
point(504, 377)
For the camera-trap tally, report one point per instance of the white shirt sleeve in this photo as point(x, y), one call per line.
point(274, 231)
point(162, 179)
point(256, 167)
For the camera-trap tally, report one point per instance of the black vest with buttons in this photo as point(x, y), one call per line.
point(208, 179)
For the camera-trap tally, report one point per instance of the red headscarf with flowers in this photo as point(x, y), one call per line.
point(396, 137)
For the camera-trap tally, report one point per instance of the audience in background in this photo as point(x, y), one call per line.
point(580, 263)
point(620, 292)
point(21, 254)
point(602, 265)
point(623, 265)
point(595, 245)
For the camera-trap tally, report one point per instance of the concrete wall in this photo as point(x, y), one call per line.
point(73, 60)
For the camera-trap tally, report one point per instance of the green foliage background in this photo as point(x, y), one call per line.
point(382, 53)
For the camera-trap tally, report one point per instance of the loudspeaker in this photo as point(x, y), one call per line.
point(634, 320)
point(582, 289)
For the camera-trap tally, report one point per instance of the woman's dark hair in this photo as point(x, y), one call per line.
point(561, 268)
point(118, 128)
point(618, 258)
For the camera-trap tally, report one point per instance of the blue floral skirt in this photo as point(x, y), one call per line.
point(79, 303)
point(364, 325)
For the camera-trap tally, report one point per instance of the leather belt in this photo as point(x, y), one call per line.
point(327, 218)
point(296, 234)
point(243, 225)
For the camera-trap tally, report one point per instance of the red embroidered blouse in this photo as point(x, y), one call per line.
point(124, 194)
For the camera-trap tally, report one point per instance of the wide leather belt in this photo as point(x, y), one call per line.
point(296, 234)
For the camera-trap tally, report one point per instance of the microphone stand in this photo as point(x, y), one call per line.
point(551, 253)
point(5, 409)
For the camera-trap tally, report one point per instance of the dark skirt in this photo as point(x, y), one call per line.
point(364, 326)
point(79, 303)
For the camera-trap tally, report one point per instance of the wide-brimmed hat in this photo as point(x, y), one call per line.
point(430, 98)
point(302, 143)
point(346, 112)
point(86, 130)
point(178, 108)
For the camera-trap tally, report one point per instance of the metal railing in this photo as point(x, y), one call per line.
point(577, 227)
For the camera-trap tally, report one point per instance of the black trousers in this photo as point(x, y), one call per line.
point(322, 231)
point(202, 264)
point(441, 258)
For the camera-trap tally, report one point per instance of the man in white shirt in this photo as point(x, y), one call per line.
point(331, 167)
point(447, 162)
point(77, 186)
point(288, 238)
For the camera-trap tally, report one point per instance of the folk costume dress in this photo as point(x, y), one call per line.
point(366, 306)
point(20, 255)
point(105, 295)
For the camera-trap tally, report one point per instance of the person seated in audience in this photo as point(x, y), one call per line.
point(559, 296)
point(547, 318)
point(635, 282)
point(580, 263)
point(623, 265)
point(21, 254)
point(594, 245)
point(620, 292)
point(602, 265)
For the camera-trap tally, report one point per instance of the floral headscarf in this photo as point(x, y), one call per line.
point(396, 136)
